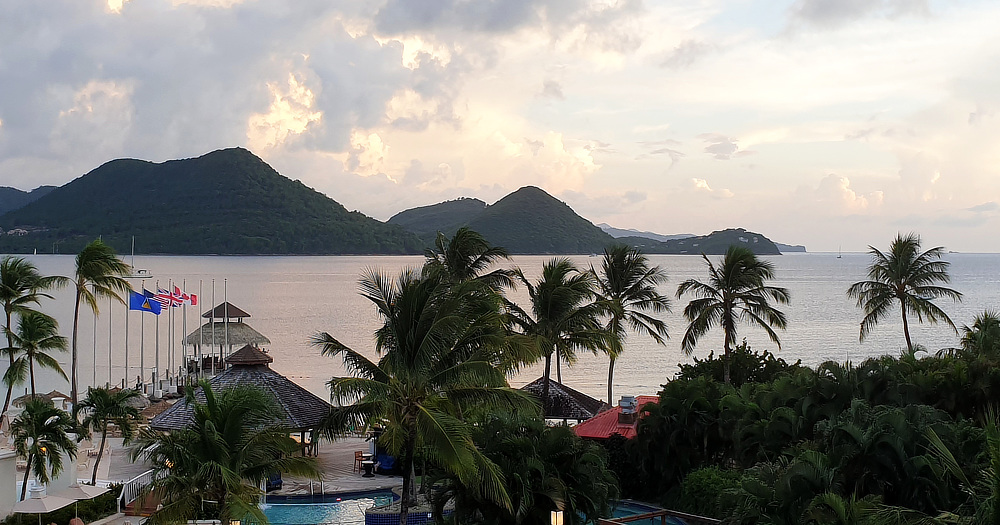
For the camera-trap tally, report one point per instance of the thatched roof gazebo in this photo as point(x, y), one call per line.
point(301, 410)
point(224, 331)
point(564, 402)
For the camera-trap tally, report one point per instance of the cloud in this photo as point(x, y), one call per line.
point(701, 186)
point(722, 147)
point(836, 13)
point(836, 191)
point(984, 207)
point(685, 54)
point(552, 90)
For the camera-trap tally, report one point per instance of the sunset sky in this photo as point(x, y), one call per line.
point(827, 123)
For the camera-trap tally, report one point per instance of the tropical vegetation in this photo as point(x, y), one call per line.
point(41, 435)
point(215, 468)
point(21, 288)
point(908, 276)
point(103, 407)
point(36, 335)
point(99, 274)
point(736, 291)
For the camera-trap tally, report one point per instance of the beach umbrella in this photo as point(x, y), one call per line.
point(38, 504)
point(77, 492)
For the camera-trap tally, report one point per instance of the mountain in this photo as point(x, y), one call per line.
point(790, 248)
point(714, 243)
point(13, 198)
point(227, 201)
point(525, 221)
point(447, 216)
point(631, 232)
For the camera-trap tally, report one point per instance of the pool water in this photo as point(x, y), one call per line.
point(331, 509)
point(623, 508)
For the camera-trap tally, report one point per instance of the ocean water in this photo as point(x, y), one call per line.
point(292, 298)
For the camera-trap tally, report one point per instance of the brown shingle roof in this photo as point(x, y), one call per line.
point(221, 311)
point(249, 355)
point(300, 408)
point(564, 402)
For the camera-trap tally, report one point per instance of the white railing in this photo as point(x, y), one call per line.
point(133, 488)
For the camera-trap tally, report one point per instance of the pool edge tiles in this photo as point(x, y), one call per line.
point(345, 508)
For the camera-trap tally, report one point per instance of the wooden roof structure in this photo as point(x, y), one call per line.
point(240, 334)
point(564, 402)
point(225, 310)
point(299, 408)
point(20, 401)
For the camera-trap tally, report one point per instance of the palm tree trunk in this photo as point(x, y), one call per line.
point(404, 500)
point(10, 388)
point(76, 329)
point(611, 378)
point(558, 367)
point(100, 454)
point(545, 384)
point(27, 472)
point(725, 362)
point(31, 374)
point(906, 327)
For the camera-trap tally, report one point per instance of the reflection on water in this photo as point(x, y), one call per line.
point(291, 298)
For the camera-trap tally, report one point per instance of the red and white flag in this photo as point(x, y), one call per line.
point(184, 297)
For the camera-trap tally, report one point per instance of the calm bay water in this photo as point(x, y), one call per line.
point(291, 298)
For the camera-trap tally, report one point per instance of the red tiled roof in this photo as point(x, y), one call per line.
point(605, 424)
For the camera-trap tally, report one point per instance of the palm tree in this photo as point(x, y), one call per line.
point(909, 276)
point(564, 318)
point(983, 337)
point(41, 436)
point(99, 274)
point(735, 292)
point(37, 333)
point(103, 407)
point(20, 286)
point(627, 290)
point(439, 347)
point(231, 447)
point(467, 256)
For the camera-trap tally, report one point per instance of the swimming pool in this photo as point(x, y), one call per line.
point(332, 509)
point(627, 507)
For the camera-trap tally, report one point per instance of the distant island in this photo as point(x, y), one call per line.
point(230, 201)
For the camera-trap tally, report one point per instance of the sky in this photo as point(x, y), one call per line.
point(829, 123)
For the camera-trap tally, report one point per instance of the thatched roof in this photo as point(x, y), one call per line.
point(300, 409)
point(20, 401)
point(224, 310)
point(240, 334)
point(564, 402)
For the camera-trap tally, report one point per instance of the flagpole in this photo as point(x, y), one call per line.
point(110, 331)
point(184, 328)
point(156, 349)
point(213, 327)
point(127, 370)
point(225, 298)
point(142, 345)
point(94, 384)
point(170, 333)
point(201, 335)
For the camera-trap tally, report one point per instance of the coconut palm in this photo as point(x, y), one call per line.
point(907, 275)
point(99, 274)
point(438, 349)
point(736, 292)
point(627, 290)
point(21, 286)
point(564, 317)
point(232, 445)
point(466, 256)
point(36, 334)
point(41, 437)
point(983, 337)
point(103, 407)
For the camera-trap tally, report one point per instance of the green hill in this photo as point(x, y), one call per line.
point(714, 243)
point(447, 216)
point(227, 201)
point(13, 198)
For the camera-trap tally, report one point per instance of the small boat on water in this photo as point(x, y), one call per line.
point(138, 273)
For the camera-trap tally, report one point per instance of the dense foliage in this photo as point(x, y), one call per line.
point(446, 217)
point(715, 243)
point(790, 444)
point(227, 201)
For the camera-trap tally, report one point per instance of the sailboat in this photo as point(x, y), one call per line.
point(839, 255)
point(138, 273)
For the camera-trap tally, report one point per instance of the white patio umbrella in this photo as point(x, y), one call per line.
point(77, 492)
point(38, 504)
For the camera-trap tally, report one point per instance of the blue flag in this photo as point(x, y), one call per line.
point(138, 301)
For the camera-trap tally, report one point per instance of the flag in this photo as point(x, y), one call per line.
point(141, 302)
point(184, 297)
point(167, 298)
